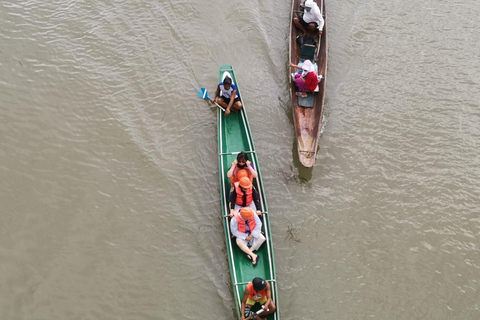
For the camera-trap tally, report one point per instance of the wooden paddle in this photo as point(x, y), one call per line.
point(203, 93)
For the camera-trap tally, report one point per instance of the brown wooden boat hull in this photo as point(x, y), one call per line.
point(308, 121)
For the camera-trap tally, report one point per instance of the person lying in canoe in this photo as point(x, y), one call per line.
point(243, 195)
point(241, 164)
point(307, 80)
point(311, 20)
point(225, 91)
point(247, 229)
point(257, 291)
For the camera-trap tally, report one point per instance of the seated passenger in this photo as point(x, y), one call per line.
point(307, 80)
point(240, 163)
point(247, 229)
point(243, 195)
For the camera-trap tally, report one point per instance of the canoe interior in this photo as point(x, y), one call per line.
point(308, 121)
point(234, 136)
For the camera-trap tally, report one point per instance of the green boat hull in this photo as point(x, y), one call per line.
point(234, 136)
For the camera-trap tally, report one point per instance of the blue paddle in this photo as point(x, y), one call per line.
point(203, 93)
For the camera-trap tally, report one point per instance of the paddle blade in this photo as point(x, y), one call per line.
point(203, 93)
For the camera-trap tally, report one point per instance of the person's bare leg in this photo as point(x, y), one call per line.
point(312, 29)
point(297, 24)
point(221, 102)
point(245, 249)
point(271, 310)
point(237, 106)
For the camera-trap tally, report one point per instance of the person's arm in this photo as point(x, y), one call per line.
point(232, 168)
point(294, 65)
point(269, 297)
point(251, 168)
point(217, 92)
point(231, 199)
point(258, 226)
point(232, 99)
point(244, 302)
point(234, 229)
point(256, 200)
point(320, 21)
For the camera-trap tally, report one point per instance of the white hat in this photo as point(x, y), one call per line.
point(307, 65)
point(308, 3)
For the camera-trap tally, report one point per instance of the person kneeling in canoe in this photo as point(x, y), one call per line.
point(257, 291)
point(228, 96)
point(244, 195)
point(239, 167)
point(307, 80)
point(247, 229)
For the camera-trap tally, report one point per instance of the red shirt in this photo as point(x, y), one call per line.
point(311, 81)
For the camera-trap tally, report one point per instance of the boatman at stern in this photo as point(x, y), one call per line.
point(257, 291)
point(228, 96)
point(311, 19)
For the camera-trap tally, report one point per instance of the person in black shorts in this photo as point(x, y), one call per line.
point(311, 19)
point(225, 91)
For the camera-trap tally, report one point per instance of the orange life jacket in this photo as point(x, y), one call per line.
point(254, 295)
point(234, 178)
point(242, 226)
point(240, 195)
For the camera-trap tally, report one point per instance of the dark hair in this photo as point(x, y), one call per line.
point(227, 80)
point(242, 156)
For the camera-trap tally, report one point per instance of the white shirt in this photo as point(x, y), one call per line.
point(314, 16)
point(241, 235)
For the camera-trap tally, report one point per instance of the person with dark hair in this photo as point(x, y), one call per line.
point(228, 97)
point(241, 166)
point(257, 291)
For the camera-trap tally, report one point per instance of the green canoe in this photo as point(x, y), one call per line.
point(234, 136)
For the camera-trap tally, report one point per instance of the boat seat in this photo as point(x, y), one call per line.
point(307, 51)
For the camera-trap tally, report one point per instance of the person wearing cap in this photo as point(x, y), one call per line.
point(307, 80)
point(228, 96)
point(241, 165)
point(311, 20)
point(247, 229)
point(257, 291)
point(242, 195)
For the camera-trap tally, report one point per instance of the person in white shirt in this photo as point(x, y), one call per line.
point(246, 226)
point(311, 20)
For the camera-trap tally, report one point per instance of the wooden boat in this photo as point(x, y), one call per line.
point(308, 112)
point(234, 136)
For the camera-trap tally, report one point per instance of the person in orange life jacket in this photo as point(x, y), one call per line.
point(241, 163)
point(228, 97)
point(307, 80)
point(247, 229)
point(257, 291)
point(242, 195)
